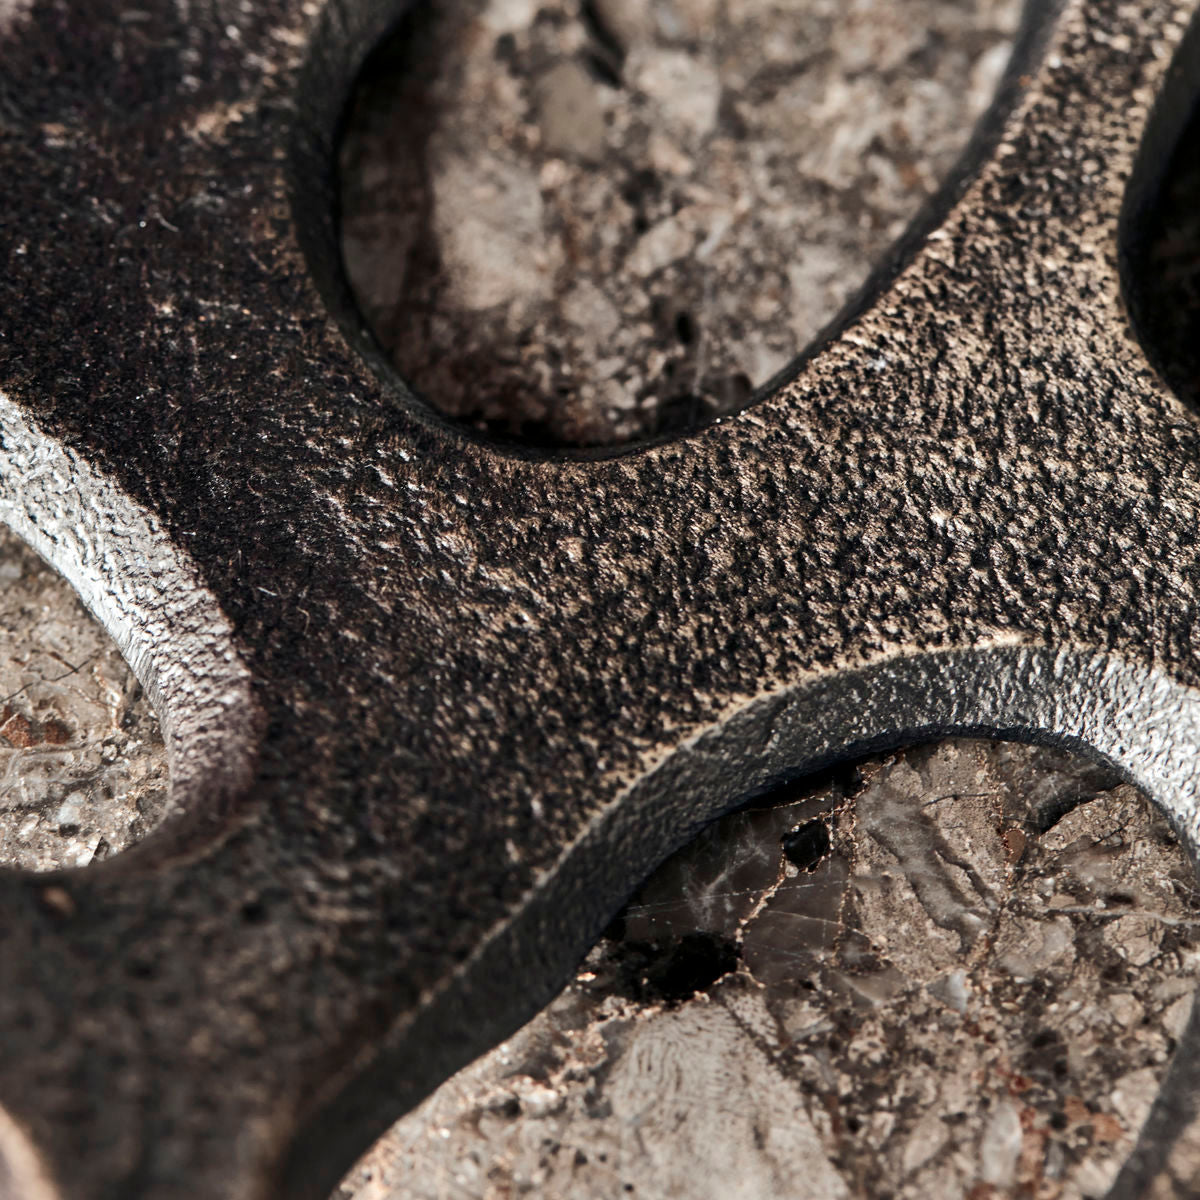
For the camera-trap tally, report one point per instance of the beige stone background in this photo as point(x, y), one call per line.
point(959, 971)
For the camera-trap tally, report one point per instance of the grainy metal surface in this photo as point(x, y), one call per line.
point(387, 655)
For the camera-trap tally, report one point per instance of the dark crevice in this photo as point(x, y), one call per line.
point(1160, 229)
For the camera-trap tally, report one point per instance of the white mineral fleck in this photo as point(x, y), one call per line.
point(69, 811)
point(507, 16)
point(488, 221)
point(686, 89)
point(1001, 1146)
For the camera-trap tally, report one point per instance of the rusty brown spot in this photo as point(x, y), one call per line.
point(16, 730)
point(1106, 1128)
point(55, 732)
point(1014, 842)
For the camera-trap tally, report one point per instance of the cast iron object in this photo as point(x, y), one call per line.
point(434, 705)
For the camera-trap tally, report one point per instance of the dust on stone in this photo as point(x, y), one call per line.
point(971, 987)
point(594, 221)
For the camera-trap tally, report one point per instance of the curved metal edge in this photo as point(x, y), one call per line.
point(22, 1173)
point(1130, 716)
point(145, 591)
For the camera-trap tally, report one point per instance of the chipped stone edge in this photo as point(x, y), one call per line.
point(147, 593)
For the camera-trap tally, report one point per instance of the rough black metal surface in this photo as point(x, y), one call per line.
point(434, 705)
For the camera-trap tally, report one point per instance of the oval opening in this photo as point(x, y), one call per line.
point(83, 767)
point(591, 224)
point(957, 970)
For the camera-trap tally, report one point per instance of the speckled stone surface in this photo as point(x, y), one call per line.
point(388, 655)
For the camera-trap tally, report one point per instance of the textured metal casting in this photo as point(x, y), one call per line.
point(435, 705)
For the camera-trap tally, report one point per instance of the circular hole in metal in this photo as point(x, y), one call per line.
point(960, 970)
point(83, 768)
point(592, 222)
